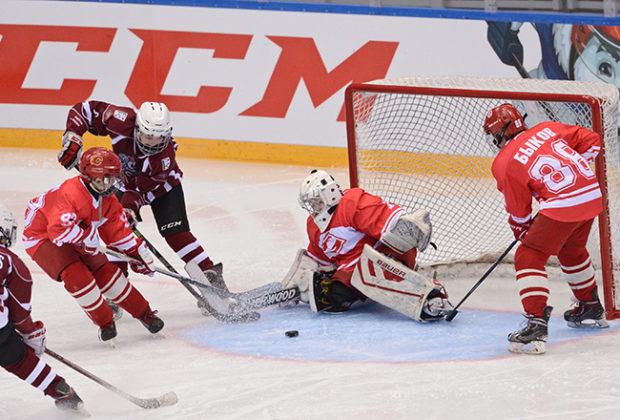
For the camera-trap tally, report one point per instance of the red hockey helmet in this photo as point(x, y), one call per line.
point(101, 168)
point(502, 123)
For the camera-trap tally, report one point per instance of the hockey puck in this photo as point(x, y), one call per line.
point(292, 333)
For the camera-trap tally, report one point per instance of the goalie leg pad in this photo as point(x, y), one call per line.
point(391, 283)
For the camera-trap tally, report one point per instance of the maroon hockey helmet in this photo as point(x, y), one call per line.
point(502, 123)
point(101, 168)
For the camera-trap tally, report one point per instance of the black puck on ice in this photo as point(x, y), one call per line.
point(292, 333)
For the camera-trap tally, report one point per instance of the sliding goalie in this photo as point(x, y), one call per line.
point(363, 247)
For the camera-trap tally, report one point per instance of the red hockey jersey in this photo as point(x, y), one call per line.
point(550, 162)
point(360, 218)
point(69, 214)
point(151, 176)
point(15, 289)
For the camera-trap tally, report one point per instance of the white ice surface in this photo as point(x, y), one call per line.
point(368, 364)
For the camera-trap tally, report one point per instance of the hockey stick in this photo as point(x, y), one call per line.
point(219, 302)
point(169, 398)
point(166, 263)
point(451, 314)
point(187, 284)
point(245, 301)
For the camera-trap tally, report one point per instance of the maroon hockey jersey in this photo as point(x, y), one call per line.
point(151, 176)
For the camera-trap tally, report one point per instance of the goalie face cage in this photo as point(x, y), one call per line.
point(418, 142)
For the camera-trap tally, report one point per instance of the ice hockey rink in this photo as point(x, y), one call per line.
point(370, 363)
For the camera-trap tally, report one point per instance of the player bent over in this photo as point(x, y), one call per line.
point(61, 234)
point(362, 247)
point(550, 162)
point(22, 340)
point(143, 141)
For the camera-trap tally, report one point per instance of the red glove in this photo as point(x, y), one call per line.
point(131, 202)
point(33, 335)
point(519, 229)
point(144, 263)
point(71, 150)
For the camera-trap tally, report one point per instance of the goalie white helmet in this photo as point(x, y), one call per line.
point(8, 227)
point(153, 128)
point(319, 194)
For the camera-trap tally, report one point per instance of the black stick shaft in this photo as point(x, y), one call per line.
point(454, 311)
point(166, 264)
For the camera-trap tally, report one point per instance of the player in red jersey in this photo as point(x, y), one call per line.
point(62, 232)
point(22, 340)
point(362, 247)
point(143, 141)
point(551, 163)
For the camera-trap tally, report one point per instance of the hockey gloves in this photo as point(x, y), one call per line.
point(71, 150)
point(33, 335)
point(519, 227)
point(131, 202)
point(144, 263)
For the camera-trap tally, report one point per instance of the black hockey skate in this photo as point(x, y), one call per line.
point(531, 339)
point(117, 311)
point(67, 399)
point(107, 332)
point(151, 321)
point(592, 312)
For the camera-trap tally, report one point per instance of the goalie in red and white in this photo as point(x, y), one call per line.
point(363, 247)
point(62, 234)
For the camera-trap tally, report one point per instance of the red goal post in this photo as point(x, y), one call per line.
point(418, 142)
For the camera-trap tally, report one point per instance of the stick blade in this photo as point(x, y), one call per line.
point(451, 315)
point(169, 398)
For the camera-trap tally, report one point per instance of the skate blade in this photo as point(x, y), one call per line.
point(533, 347)
point(111, 343)
point(591, 323)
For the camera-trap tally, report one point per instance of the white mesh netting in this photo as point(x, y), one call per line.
point(428, 151)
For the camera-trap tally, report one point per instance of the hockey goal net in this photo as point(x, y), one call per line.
point(418, 142)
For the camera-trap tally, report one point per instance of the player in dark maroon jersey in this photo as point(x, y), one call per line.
point(143, 141)
point(22, 340)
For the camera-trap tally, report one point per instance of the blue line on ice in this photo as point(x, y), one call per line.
point(372, 333)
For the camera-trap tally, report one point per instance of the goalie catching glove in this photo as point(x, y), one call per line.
point(410, 231)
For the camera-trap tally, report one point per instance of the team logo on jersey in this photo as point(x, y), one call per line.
point(68, 219)
point(332, 245)
point(128, 164)
point(165, 164)
point(120, 115)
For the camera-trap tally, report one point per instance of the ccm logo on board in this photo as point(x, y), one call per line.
point(298, 65)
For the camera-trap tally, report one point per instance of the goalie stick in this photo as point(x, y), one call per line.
point(219, 316)
point(217, 301)
point(169, 398)
point(237, 303)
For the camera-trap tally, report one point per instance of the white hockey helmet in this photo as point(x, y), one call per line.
point(8, 227)
point(153, 128)
point(319, 194)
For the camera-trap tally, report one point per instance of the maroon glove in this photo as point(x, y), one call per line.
point(71, 150)
point(519, 229)
point(131, 202)
point(144, 263)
